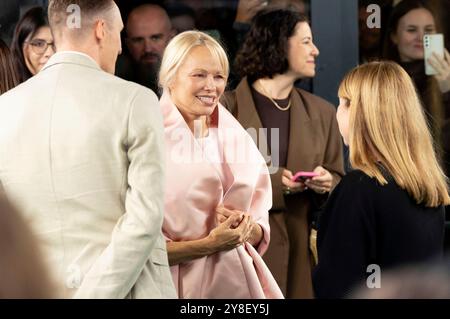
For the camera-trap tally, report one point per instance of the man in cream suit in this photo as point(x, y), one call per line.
point(81, 155)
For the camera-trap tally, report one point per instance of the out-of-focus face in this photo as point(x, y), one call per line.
point(148, 32)
point(409, 34)
point(342, 116)
point(302, 52)
point(198, 84)
point(38, 49)
point(112, 45)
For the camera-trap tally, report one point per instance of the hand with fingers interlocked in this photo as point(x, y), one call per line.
point(226, 237)
point(442, 66)
point(237, 227)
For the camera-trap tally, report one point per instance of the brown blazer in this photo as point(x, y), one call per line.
point(314, 140)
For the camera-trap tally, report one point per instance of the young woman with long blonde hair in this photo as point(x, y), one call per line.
point(389, 210)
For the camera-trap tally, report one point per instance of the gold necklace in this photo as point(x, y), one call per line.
point(273, 101)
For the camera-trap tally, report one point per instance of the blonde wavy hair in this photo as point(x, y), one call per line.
point(178, 49)
point(387, 125)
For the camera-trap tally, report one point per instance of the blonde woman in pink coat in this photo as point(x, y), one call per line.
point(218, 190)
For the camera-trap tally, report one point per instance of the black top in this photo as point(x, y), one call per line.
point(365, 223)
point(273, 118)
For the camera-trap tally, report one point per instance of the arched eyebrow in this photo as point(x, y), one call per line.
point(415, 26)
point(198, 70)
point(219, 72)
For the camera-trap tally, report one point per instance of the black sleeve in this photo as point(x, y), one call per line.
point(345, 238)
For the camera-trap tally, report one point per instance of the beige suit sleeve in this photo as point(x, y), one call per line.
point(138, 230)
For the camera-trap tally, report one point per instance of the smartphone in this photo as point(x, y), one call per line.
point(432, 43)
point(303, 176)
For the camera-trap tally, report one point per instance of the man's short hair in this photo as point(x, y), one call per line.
point(59, 11)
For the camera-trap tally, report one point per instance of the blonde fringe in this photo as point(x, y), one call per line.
point(388, 126)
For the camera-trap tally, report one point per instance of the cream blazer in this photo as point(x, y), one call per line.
point(81, 155)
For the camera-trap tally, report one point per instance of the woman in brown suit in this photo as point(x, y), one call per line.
point(302, 127)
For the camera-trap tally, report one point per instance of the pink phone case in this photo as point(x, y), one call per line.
point(303, 176)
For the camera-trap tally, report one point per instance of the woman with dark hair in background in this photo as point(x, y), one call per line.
point(410, 20)
point(8, 74)
point(277, 51)
point(32, 44)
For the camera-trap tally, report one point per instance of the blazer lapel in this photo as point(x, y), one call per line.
point(246, 109)
point(249, 119)
point(300, 127)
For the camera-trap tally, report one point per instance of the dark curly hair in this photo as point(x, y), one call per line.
point(265, 49)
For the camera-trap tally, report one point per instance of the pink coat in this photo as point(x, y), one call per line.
point(195, 186)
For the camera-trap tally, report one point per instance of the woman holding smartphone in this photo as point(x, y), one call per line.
point(300, 133)
point(410, 20)
point(388, 211)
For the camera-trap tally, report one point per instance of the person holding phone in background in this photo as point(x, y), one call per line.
point(277, 51)
point(410, 20)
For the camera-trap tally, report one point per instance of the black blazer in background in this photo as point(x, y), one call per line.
point(365, 223)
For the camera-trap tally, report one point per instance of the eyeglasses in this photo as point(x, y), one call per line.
point(39, 46)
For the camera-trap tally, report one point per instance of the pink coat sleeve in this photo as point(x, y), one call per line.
point(259, 208)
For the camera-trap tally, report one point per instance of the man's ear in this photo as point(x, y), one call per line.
point(100, 30)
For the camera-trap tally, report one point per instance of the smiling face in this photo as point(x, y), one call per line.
point(302, 52)
point(38, 49)
point(198, 84)
point(409, 34)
